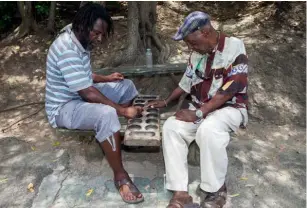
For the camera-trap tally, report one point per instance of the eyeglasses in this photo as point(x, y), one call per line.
point(201, 74)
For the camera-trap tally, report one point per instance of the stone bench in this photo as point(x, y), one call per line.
point(90, 134)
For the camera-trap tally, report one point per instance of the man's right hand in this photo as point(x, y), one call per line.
point(131, 112)
point(156, 104)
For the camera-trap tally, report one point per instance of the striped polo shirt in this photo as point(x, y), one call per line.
point(68, 71)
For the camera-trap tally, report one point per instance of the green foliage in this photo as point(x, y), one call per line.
point(7, 11)
point(42, 8)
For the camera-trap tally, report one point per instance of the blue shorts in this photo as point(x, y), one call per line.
point(103, 119)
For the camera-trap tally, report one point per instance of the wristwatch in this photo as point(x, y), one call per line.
point(199, 114)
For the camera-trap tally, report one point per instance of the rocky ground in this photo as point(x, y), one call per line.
point(267, 161)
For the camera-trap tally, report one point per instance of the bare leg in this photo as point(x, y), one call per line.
point(115, 160)
point(125, 105)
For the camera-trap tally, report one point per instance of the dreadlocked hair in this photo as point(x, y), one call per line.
point(87, 16)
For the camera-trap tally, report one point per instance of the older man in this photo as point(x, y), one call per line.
point(216, 78)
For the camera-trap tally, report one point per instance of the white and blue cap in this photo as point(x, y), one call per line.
point(192, 23)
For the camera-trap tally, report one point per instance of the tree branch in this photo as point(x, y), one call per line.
point(22, 105)
point(28, 116)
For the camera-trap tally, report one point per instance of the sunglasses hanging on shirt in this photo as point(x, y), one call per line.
point(207, 74)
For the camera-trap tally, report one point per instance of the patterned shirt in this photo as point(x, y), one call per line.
point(224, 72)
point(68, 71)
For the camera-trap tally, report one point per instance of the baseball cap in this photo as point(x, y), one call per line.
point(192, 23)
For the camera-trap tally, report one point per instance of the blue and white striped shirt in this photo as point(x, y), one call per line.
point(68, 71)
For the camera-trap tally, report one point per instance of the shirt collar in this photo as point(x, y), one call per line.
point(68, 29)
point(219, 47)
point(221, 44)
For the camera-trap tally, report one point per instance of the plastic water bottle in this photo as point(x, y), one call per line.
point(148, 58)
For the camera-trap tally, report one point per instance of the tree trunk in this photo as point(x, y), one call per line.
point(51, 19)
point(28, 22)
point(103, 3)
point(83, 3)
point(142, 34)
point(130, 53)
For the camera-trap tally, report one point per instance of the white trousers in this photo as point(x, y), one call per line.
point(212, 137)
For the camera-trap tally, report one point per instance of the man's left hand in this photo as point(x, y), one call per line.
point(186, 115)
point(115, 77)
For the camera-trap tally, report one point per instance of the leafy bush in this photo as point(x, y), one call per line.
point(7, 11)
point(42, 9)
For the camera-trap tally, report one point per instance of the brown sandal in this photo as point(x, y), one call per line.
point(183, 202)
point(133, 189)
point(215, 200)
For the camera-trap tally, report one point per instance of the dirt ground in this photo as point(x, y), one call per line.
point(277, 80)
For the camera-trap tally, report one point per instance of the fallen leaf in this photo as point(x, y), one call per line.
point(147, 187)
point(31, 187)
point(89, 192)
point(56, 143)
point(3, 180)
point(33, 148)
point(234, 195)
point(244, 179)
point(249, 185)
point(16, 48)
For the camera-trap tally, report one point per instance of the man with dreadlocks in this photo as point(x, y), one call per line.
point(76, 98)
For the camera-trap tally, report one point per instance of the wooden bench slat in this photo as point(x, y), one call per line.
point(143, 70)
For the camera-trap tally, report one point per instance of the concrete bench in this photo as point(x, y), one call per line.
point(90, 134)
